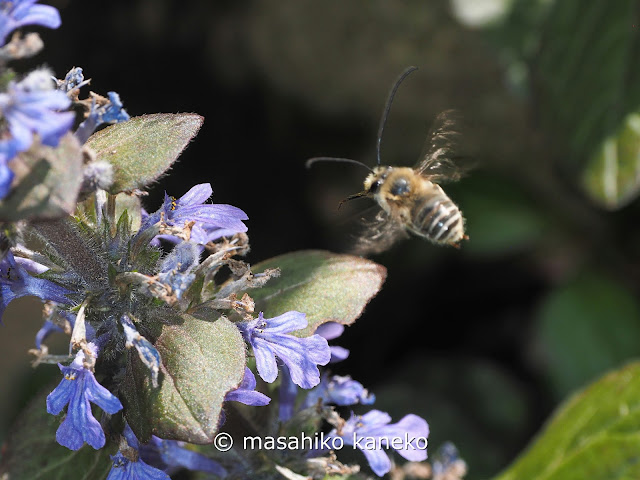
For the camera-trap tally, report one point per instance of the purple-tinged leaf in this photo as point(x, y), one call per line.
point(201, 362)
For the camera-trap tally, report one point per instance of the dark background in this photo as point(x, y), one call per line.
point(483, 341)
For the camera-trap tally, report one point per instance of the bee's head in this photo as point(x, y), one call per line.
point(375, 179)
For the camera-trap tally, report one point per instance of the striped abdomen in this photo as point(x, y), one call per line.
point(437, 218)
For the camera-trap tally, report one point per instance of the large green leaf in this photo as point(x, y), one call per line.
point(201, 362)
point(595, 435)
point(32, 453)
point(612, 176)
point(587, 327)
point(46, 184)
point(328, 287)
point(143, 148)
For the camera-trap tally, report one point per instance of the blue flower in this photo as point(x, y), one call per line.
point(15, 282)
point(212, 221)
point(110, 112)
point(446, 463)
point(341, 391)
point(50, 327)
point(246, 392)
point(176, 268)
point(125, 469)
point(288, 393)
point(47, 329)
point(18, 13)
point(31, 106)
point(331, 330)
point(79, 389)
point(147, 353)
point(147, 461)
point(372, 431)
point(8, 150)
point(268, 337)
point(171, 454)
point(73, 79)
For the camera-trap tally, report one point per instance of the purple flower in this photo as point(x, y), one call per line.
point(372, 431)
point(15, 282)
point(31, 106)
point(18, 13)
point(269, 339)
point(212, 221)
point(331, 330)
point(341, 391)
point(79, 389)
point(246, 392)
point(126, 469)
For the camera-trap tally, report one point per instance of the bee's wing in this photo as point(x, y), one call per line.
point(438, 161)
point(378, 232)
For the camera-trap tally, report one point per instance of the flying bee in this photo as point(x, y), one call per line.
point(410, 198)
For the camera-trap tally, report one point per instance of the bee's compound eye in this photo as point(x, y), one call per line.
point(400, 187)
point(375, 186)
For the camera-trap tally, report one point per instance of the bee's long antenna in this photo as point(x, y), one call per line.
point(353, 197)
point(385, 114)
point(311, 161)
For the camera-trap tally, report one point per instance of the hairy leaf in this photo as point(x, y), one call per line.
point(201, 362)
point(46, 184)
point(612, 176)
point(143, 148)
point(32, 453)
point(594, 435)
point(328, 287)
point(586, 328)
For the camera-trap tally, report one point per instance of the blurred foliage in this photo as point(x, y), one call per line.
point(612, 175)
point(590, 324)
point(35, 430)
point(594, 435)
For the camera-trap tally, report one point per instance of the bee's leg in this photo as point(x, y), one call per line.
point(457, 244)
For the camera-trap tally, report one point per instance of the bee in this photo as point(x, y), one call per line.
point(410, 199)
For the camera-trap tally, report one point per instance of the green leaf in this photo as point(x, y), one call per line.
point(587, 71)
point(327, 287)
point(595, 435)
point(587, 327)
point(612, 175)
point(32, 453)
point(46, 183)
point(143, 148)
point(201, 362)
